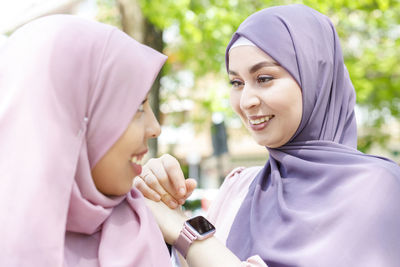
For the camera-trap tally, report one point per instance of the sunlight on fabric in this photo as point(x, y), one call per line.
point(17, 12)
point(3, 39)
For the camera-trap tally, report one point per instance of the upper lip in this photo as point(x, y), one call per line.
point(140, 155)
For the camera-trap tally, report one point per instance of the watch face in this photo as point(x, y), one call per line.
point(201, 225)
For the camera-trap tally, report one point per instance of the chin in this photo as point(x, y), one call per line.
point(124, 191)
point(267, 145)
point(118, 191)
point(261, 143)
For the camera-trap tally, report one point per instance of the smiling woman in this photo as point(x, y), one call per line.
point(114, 172)
point(73, 117)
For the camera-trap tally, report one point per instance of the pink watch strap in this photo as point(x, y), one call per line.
point(185, 239)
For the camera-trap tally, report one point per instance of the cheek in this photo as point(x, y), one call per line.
point(235, 102)
point(133, 137)
point(289, 104)
point(285, 97)
point(104, 173)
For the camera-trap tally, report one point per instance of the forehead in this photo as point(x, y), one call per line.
point(246, 55)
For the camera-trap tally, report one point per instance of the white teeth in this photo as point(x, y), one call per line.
point(261, 120)
point(136, 160)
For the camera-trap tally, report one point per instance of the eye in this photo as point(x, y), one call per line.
point(236, 83)
point(141, 108)
point(264, 79)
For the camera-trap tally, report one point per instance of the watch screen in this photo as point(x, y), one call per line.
point(201, 224)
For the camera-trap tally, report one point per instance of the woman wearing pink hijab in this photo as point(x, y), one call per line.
point(74, 124)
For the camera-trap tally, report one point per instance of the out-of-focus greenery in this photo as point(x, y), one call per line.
point(192, 204)
point(369, 31)
point(108, 12)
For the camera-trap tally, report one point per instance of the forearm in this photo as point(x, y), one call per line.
point(182, 261)
point(210, 253)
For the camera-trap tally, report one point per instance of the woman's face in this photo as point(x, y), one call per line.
point(114, 173)
point(264, 95)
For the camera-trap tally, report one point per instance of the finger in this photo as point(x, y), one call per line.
point(149, 193)
point(169, 201)
point(175, 175)
point(157, 168)
point(152, 182)
point(146, 191)
point(139, 179)
point(191, 184)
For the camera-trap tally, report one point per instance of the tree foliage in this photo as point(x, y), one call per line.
point(369, 31)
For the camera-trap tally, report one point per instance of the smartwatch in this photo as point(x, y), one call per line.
point(197, 228)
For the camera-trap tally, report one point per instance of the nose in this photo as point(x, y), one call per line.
point(153, 128)
point(249, 98)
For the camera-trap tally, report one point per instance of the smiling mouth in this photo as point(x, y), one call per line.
point(261, 120)
point(137, 159)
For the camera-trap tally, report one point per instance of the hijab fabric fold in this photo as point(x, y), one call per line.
point(318, 201)
point(69, 87)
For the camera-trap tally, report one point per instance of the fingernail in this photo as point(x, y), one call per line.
point(182, 191)
point(173, 204)
point(157, 197)
point(181, 201)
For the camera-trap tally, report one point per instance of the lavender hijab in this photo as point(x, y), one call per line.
point(318, 201)
point(69, 88)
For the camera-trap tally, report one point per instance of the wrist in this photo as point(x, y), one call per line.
point(176, 229)
point(194, 229)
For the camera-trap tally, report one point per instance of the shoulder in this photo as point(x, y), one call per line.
point(240, 178)
point(374, 194)
point(375, 215)
point(383, 174)
point(243, 172)
point(236, 184)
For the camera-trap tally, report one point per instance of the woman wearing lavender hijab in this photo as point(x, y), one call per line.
point(74, 122)
point(318, 201)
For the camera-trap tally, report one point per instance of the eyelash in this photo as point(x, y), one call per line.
point(236, 83)
point(141, 108)
point(262, 79)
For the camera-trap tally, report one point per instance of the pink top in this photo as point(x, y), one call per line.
point(224, 207)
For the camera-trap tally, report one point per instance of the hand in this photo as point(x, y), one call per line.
point(209, 252)
point(169, 220)
point(162, 179)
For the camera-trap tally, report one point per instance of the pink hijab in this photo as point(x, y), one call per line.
point(68, 90)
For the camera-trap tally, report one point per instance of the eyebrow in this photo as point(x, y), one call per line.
point(258, 66)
